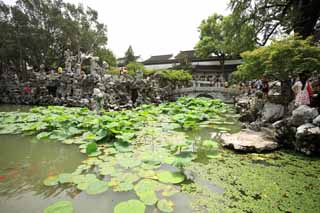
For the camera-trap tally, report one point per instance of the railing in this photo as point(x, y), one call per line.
point(206, 86)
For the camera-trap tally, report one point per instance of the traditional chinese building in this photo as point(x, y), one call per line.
point(203, 69)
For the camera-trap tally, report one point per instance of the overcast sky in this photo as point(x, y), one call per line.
point(153, 27)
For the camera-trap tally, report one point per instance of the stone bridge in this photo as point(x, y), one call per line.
point(204, 89)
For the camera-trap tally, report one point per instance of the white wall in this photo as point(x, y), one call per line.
point(159, 66)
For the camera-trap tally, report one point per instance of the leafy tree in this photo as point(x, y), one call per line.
point(106, 55)
point(134, 66)
point(271, 17)
point(37, 32)
point(281, 60)
point(217, 36)
point(129, 56)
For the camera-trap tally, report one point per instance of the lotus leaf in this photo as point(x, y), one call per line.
point(60, 207)
point(126, 137)
point(122, 146)
point(95, 154)
point(170, 177)
point(43, 135)
point(91, 148)
point(148, 197)
point(129, 163)
point(97, 187)
point(132, 206)
point(123, 187)
point(165, 205)
point(148, 174)
point(145, 190)
point(106, 169)
point(51, 181)
point(65, 178)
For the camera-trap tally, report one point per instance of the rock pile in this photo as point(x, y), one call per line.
point(294, 128)
point(72, 87)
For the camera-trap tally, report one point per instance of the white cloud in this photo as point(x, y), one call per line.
point(153, 27)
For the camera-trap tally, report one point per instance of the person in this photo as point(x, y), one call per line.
point(303, 91)
point(265, 86)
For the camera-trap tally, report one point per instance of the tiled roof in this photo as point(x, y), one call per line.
point(159, 58)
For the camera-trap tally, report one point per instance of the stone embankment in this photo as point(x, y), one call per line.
point(297, 128)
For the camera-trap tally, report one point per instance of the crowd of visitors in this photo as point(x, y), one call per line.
point(306, 90)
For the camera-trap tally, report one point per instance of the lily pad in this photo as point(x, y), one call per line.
point(169, 190)
point(165, 205)
point(123, 187)
point(43, 135)
point(97, 187)
point(170, 177)
point(148, 197)
point(91, 148)
point(51, 181)
point(132, 206)
point(129, 163)
point(65, 178)
point(122, 146)
point(60, 207)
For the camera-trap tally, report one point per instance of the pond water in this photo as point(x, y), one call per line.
point(282, 181)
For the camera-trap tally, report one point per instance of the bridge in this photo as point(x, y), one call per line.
point(205, 89)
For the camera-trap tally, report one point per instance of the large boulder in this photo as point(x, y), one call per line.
point(284, 133)
point(248, 141)
point(308, 139)
point(303, 114)
point(272, 112)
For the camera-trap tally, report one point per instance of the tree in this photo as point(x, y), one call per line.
point(217, 36)
point(134, 66)
point(106, 55)
point(129, 56)
point(37, 32)
point(279, 61)
point(272, 17)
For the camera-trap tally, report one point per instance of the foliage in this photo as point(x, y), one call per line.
point(60, 207)
point(273, 17)
point(134, 206)
point(134, 66)
point(129, 56)
point(175, 75)
point(252, 183)
point(217, 36)
point(170, 177)
point(106, 55)
point(165, 205)
point(38, 32)
point(125, 148)
point(281, 59)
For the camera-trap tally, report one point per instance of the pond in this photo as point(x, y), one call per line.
point(164, 161)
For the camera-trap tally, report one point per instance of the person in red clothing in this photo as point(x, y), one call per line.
point(27, 89)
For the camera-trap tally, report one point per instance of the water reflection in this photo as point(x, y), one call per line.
point(24, 165)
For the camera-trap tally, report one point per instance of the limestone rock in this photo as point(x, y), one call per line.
point(272, 112)
point(303, 114)
point(248, 141)
point(316, 121)
point(308, 139)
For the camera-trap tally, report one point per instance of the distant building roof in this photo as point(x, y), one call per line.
point(160, 58)
point(190, 54)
